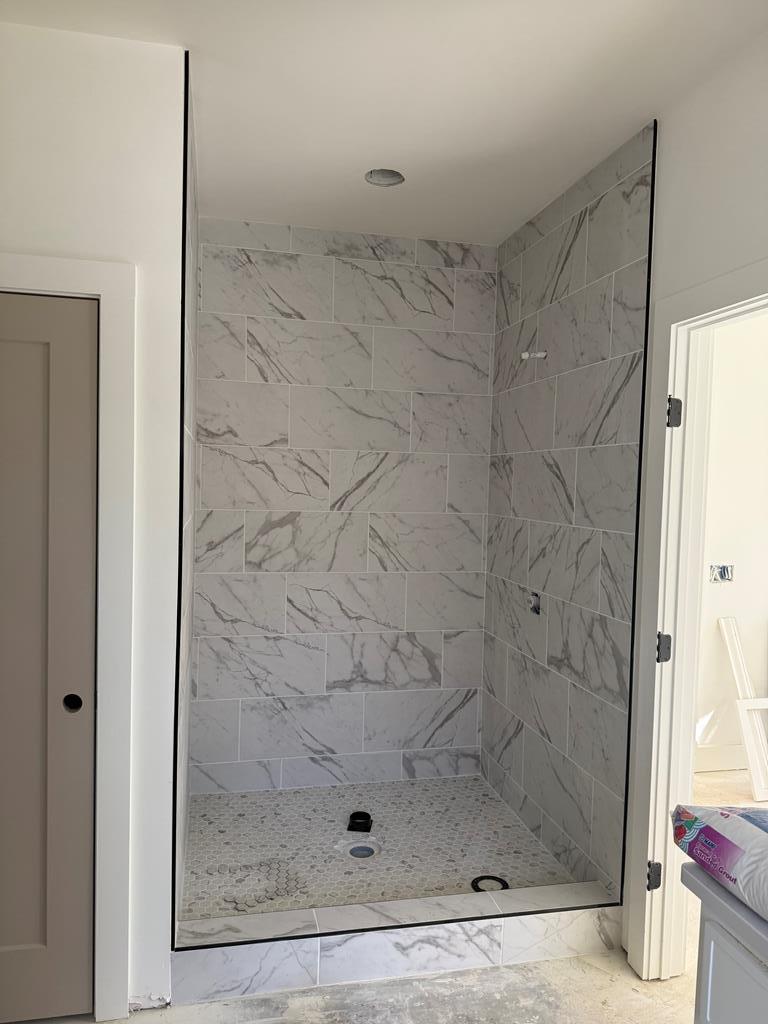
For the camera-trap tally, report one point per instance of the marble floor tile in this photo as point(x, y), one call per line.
point(345, 602)
point(391, 913)
point(266, 478)
point(545, 897)
point(384, 661)
point(439, 361)
point(301, 726)
point(415, 719)
point(350, 418)
point(301, 352)
point(238, 413)
point(306, 542)
point(260, 666)
point(590, 650)
point(368, 292)
point(451, 423)
point(423, 542)
point(246, 927)
point(388, 482)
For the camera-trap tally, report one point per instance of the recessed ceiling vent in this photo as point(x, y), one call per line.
point(385, 177)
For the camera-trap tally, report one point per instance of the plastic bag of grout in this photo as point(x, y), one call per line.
point(730, 844)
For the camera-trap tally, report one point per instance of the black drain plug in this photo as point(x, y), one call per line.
point(360, 821)
point(489, 883)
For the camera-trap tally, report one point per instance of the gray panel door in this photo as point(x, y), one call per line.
point(48, 393)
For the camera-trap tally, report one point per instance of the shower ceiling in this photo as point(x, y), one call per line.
point(484, 106)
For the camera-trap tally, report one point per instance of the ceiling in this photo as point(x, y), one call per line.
point(489, 107)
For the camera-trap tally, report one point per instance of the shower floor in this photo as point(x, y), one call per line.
point(287, 850)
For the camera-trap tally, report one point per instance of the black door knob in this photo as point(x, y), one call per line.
point(72, 702)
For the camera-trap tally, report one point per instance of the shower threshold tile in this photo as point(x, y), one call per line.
point(280, 924)
point(551, 897)
point(390, 913)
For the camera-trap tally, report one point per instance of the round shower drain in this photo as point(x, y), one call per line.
point(360, 847)
point(361, 851)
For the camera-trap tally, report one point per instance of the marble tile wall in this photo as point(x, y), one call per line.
point(561, 511)
point(344, 430)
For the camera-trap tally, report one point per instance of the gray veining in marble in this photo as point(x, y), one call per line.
point(500, 478)
point(597, 738)
point(384, 661)
point(349, 418)
point(352, 245)
point(451, 423)
point(467, 483)
point(591, 650)
point(510, 370)
point(433, 253)
point(606, 487)
point(441, 361)
point(341, 769)
point(568, 852)
point(448, 762)
point(618, 225)
point(507, 548)
point(423, 542)
point(534, 229)
point(306, 542)
point(555, 266)
point(245, 234)
point(234, 412)
point(539, 697)
point(462, 658)
point(414, 719)
point(600, 404)
point(267, 283)
point(523, 418)
point(495, 667)
point(260, 666)
point(246, 927)
point(508, 289)
point(502, 735)
point(562, 935)
point(266, 478)
point(286, 726)
point(515, 622)
point(301, 352)
point(213, 730)
point(633, 154)
point(368, 292)
point(629, 295)
point(617, 564)
point(345, 602)
point(219, 541)
point(544, 486)
point(475, 301)
point(607, 832)
point(239, 604)
point(565, 562)
point(559, 786)
point(388, 481)
point(577, 330)
point(220, 346)
point(234, 776)
point(447, 600)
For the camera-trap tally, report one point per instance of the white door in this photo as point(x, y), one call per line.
point(667, 600)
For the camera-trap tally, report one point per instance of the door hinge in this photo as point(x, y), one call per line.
point(674, 411)
point(663, 647)
point(654, 875)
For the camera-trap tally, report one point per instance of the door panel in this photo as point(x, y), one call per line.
point(48, 392)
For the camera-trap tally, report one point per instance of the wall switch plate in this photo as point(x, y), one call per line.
point(721, 574)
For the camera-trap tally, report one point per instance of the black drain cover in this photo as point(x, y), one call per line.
point(480, 884)
point(360, 821)
point(361, 851)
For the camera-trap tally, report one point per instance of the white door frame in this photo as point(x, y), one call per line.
point(662, 742)
point(114, 285)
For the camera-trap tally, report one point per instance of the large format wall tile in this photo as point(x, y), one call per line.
point(235, 777)
point(475, 301)
point(245, 234)
point(514, 620)
point(510, 370)
point(565, 562)
point(523, 418)
point(366, 292)
point(265, 478)
point(577, 330)
point(539, 697)
point(467, 483)
point(300, 352)
point(617, 569)
point(260, 666)
point(462, 658)
point(600, 404)
point(233, 412)
point(267, 283)
point(502, 735)
point(447, 762)
point(533, 230)
point(451, 423)
point(384, 661)
point(597, 738)
point(306, 542)
point(213, 730)
point(555, 266)
point(340, 603)
point(433, 253)
point(606, 487)
point(446, 600)
point(341, 769)
point(388, 482)
point(353, 246)
point(591, 650)
point(544, 485)
point(350, 418)
point(286, 726)
point(220, 346)
point(205, 975)
point(500, 477)
point(559, 786)
point(632, 155)
point(219, 541)
point(618, 225)
point(607, 832)
point(629, 298)
point(495, 667)
point(414, 719)
point(566, 934)
point(420, 542)
point(237, 604)
point(432, 361)
point(507, 548)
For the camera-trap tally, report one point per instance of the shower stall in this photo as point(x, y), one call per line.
point(411, 471)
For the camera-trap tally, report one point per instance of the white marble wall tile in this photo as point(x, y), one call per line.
point(544, 486)
point(467, 483)
point(433, 253)
point(341, 769)
point(633, 154)
point(414, 719)
point(440, 764)
point(442, 361)
point(260, 666)
point(463, 658)
point(367, 292)
point(576, 331)
point(345, 602)
point(451, 423)
point(235, 777)
point(502, 734)
point(266, 283)
point(388, 481)
point(306, 542)
point(539, 697)
point(246, 928)
point(559, 787)
point(352, 245)
point(629, 295)
point(515, 622)
point(205, 975)
point(240, 477)
point(391, 954)
point(618, 225)
point(301, 352)
point(591, 650)
point(384, 661)
point(492, 772)
point(234, 412)
point(349, 418)
point(220, 346)
point(391, 913)
point(423, 542)
point(555, 266)
point(606, 487)
point(523, 418)
point(245, 234)
point(510, 370)
point(607, 832)
point(238, 604)
point(446, 600)
point(569, 853)
point(507, 548)
point(617, 566)
point(213, 730)
point(288, 726)
point(597, 738)
point(500, 477)
point(508, 288)
point(534, 229)
point(529, 812)
point(553, 936)
point(218, 541)
point(475, 301)
point(565, 562)
point(600, 404)
point(495, 667)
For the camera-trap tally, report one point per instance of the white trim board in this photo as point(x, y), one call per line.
point(114, 285)
point(662, 741)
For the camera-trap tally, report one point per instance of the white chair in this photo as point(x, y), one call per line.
point(752, 729)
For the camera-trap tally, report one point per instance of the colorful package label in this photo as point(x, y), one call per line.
point(717, 854)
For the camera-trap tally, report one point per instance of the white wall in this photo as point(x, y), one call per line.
point(737, 499)
point(91, 166)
